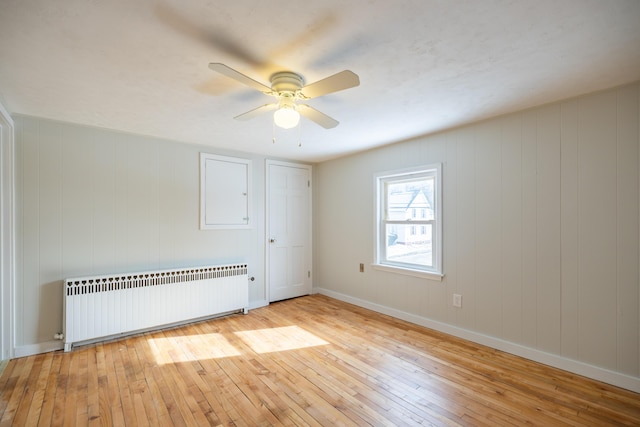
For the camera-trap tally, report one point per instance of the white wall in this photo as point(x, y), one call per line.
point(93, 201)
point(541, 234)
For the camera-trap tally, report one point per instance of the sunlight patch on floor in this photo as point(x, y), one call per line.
point(279, 339)
point(190, 348)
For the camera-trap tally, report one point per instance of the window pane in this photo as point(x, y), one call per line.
point(406, 247)
point(405, 199)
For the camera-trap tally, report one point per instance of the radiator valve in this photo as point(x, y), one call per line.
point(58, 336)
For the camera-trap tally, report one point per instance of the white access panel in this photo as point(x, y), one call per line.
point(225, 187)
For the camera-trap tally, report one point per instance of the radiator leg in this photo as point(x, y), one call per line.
point(67, 347)
point(245, 310)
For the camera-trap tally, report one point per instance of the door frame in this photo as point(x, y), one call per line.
point(267, 207)
point(7, 233)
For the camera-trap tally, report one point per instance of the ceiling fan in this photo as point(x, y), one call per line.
point(287, 87)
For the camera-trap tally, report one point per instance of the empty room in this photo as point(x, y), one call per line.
point(385, 213)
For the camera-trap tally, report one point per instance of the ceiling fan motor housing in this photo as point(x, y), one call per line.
point(286, 81)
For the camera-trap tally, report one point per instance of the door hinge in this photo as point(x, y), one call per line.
point(309, 274)
point(309, 183)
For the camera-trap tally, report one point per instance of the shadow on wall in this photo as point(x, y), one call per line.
point(50, 307)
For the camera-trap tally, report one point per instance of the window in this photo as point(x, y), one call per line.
point(406, 242)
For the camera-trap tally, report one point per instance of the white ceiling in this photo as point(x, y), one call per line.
point(141, 66)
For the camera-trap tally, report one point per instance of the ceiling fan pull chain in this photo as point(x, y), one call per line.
point(273, 132)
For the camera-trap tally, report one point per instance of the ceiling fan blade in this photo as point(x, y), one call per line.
point(340, 81)
point(238, 76)
point(256, 112)
point(316, 116)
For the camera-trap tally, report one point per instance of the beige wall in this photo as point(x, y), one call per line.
point(541, 233)
point(93, 201)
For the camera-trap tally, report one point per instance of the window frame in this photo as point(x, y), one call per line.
point(381, 181)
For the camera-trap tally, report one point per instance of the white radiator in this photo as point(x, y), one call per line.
point(102, 307)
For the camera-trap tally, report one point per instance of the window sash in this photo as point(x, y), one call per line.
point(410, 221)
point(424, 253)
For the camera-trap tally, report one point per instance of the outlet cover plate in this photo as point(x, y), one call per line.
point(457, 300)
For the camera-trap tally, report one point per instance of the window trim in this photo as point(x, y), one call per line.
point(435, 273)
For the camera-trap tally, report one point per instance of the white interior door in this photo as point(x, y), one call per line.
point(288, 230)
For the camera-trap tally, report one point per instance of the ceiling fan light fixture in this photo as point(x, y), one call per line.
point(286, 117)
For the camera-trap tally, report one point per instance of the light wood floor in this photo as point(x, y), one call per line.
point(306, 361)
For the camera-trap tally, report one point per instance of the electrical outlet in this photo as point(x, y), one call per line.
point(361, 268)
point(457, 300)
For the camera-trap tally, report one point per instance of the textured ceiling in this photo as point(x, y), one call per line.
point(142, 66)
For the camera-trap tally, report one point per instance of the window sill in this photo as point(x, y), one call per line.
point(409, 272)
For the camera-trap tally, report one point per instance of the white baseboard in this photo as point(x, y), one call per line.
point(610, 377)
point(42, 347)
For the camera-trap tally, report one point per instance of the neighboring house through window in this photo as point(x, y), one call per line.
point(408, 221)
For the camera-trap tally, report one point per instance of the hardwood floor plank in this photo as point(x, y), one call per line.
point(39, 389)
point(70, 399)
point(31, 385)
point(167, 398)
point(93, 390)
point(187, 370)
point(19, 378)
point(48, 399)
point(120, 364)
point(311, 361)
point(62, 382)
point(110, 379)
point(99, 412)
point(138, 385)
point(82, 388)
point(150, 395)
point(209, 377)
point(181, 412)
